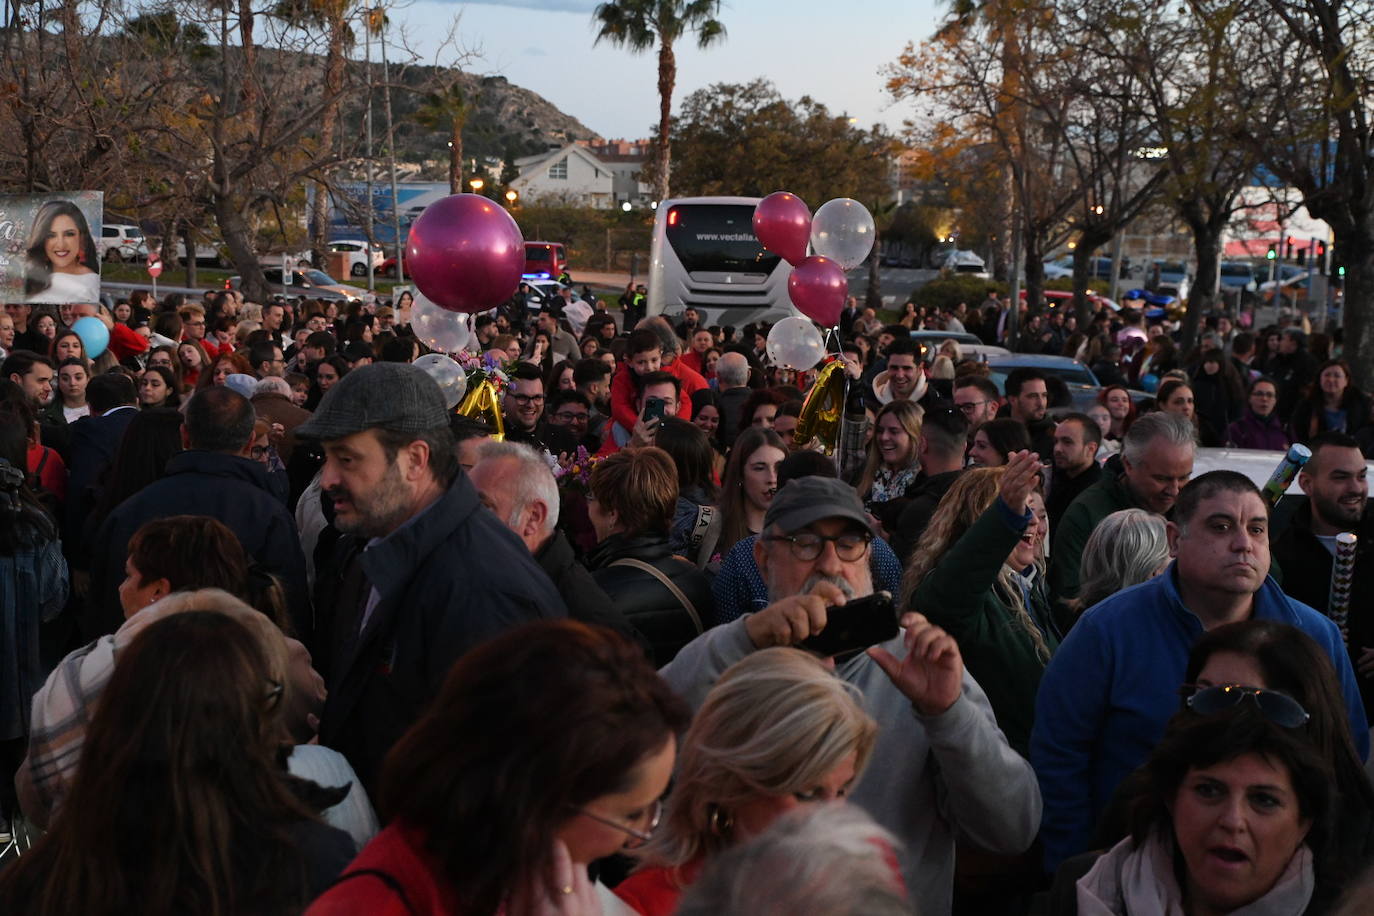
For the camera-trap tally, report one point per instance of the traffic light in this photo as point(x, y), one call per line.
point(1271, 254)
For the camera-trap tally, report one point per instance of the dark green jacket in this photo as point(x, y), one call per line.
point(959, 594)
point(1108, 495)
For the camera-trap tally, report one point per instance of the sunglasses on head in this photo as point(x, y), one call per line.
point(1278, 708)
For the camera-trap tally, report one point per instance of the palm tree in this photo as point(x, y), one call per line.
point(448, 108)
point(640, 25)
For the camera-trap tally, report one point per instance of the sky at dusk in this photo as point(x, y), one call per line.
point(830, 51)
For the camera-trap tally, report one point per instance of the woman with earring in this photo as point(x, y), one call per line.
point(777, 732)
point(60, 255)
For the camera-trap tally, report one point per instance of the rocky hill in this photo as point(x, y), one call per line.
point(509, 121)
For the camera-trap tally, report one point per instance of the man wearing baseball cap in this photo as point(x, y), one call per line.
point(424, 573)
point(941, 768)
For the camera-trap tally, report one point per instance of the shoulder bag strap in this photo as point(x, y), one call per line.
point(709, 539)
point(700, 525)
point(668, 584)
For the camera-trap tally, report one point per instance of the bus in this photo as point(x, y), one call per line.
point(704, 255)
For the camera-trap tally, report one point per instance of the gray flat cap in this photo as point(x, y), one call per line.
point(812, 499)
point(395, 396)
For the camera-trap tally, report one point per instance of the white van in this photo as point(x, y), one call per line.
point(122, 242)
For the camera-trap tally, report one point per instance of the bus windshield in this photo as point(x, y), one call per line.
point(718, 238)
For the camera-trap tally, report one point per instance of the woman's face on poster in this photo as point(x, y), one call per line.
point(63, 245)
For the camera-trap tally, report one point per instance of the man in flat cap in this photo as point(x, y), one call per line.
point(424, 573)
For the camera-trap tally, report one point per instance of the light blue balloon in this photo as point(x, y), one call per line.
point(95, 337)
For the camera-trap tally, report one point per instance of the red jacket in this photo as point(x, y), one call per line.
point(397, 852)
point(657, 891)
point(126, 342)
point(625, 390)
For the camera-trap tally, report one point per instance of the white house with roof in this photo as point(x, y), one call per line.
point(600, 177)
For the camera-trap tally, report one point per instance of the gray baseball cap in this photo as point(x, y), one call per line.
point(395, 396)
point(811, 499)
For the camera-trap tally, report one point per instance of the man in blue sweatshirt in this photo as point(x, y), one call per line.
point(1113, 684)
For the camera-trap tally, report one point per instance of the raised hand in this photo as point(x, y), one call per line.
point(1019, 479)
point(931, 675)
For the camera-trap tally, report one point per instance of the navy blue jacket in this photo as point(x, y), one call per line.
point(227, 488)
point(1113, 684)
point(448, 579)
point(92, 446)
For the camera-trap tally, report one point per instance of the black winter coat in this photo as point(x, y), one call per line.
point(643, 600)
point(586, 600)
point(1305, 574)
point(1309, 420)
point(450, 578)
point(227, 488)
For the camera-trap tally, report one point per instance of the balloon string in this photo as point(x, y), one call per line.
point(832, 340)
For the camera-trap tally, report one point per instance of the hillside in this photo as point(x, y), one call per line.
point(509, 122)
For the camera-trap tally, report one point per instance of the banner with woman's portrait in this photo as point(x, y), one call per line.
point(48, 248)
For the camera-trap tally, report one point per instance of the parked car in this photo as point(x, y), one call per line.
point(1256, 464)
point(122, 242)
point(1055, 297)
point(1058, 269)
point(359, 253)
point(1072, 385)
point(546, 290)
point(1170, 278)
point(544, 261)
point(210, 252)
point(966, 263)
point(387, 268)
point(302, 283)
point(1098, 268)
point(1238, 275)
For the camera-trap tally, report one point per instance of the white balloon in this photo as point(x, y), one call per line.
point(453, 381)
point(843, 231)
point(438, 328)
point(795, 344)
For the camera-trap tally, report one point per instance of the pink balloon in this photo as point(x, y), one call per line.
point(817, 287)
point(465, 253)
point(782, 223)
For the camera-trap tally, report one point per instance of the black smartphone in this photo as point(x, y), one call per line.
point(654, 409)
point(855, 626)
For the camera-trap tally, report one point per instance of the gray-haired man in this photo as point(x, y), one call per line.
point(1157, 455)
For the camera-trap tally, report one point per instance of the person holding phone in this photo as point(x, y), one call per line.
point(657, 398)
point(941, 767)
point(979, 571)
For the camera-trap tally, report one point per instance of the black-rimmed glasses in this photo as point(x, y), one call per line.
point(1278, 708)
point(808, 545)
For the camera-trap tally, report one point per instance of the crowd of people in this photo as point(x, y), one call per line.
point(284, 631)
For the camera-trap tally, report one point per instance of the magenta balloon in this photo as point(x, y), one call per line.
point(782, 223)
point(818, 288)
point(465, 253)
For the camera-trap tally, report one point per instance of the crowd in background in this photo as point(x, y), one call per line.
point(284, 632)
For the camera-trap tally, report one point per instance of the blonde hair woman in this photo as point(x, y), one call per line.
point(890, 472)
point(778, 731)
point(978, 571)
